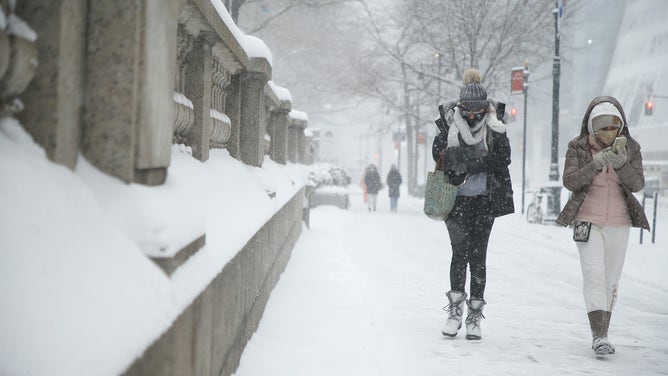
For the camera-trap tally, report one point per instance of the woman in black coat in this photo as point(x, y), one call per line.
point(393, 182)
point(473, 149)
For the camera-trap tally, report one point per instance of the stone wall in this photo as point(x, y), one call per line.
point(209, 336)
point(120, 82)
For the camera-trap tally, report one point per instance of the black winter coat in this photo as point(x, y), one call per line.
point(393, 182)
point(495, 163)
point(372, 181)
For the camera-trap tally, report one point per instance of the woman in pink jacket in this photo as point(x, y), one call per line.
point(603, 168)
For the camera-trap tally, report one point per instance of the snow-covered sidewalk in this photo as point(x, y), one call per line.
point(363, 292)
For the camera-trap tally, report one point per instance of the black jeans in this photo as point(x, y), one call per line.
point(469, 225)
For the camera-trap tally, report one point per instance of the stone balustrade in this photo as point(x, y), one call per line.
point(120, 82)
point(296, 140)
point(184, 117)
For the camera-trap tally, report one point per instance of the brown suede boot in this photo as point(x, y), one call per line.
point(608, 315)
point(598, 323)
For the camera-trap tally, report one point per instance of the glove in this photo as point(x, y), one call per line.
point(602, 159)
point(618, 157)
point(458, 154)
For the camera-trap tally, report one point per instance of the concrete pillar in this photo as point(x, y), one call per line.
point(130, 73)
point(198, 90)
point(252, 112)
point(53, 98)
point(308, 149)
point(298, 121)
point(232, 110)
point(293, 140)
point(302, 144)
point(278, 127)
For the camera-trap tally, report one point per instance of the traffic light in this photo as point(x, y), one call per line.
point(649, 107)
point(420, 138)
point(513, 114)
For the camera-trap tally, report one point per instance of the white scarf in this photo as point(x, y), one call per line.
point(473, 135)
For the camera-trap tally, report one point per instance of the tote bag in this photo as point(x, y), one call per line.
point(439, 195)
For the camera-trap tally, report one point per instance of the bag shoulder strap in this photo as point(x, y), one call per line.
point(440, 164)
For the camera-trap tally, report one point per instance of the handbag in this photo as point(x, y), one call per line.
point(581, 231)
point(439, 195)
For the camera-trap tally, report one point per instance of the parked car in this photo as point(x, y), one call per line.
point(330, 183)
point(537, 208)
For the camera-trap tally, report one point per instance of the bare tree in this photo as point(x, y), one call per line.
point(490, 35)
point(388, 72)
point(422, 48)
point(264, 13)
point(314, 48)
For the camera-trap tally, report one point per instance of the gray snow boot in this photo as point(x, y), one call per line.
point(473, 318)
point(455, 312)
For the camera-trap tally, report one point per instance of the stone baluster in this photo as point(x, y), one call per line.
point(220, 129)
point(233, 111)
point(198, 85)
point(221, 123)
point(184, 116)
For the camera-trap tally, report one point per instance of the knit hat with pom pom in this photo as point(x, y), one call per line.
point(473, 95)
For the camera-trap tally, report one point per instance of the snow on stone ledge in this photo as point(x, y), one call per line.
point(150, 217)
point(282, 93)
point(299, 115)
point(182, 99)
point(253, 46)
point(220, 116)
point(78, 297)
point(79, 294)
point(17, 27)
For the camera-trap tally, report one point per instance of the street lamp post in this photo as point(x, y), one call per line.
point(525, 90)
point(438, 79)
point(438, 56)
point(554, 205)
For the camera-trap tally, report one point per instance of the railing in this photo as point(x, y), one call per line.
point(121, 83)
point(655, 198)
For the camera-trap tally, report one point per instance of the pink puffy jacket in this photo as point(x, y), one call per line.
point(604, 204)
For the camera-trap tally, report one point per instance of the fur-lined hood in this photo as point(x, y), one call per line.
point(584, 130)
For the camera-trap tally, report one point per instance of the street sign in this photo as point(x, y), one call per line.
point(517, 81)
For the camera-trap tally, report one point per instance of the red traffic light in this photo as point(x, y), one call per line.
point(420, 138)
point(649, 107)
point(513, 113)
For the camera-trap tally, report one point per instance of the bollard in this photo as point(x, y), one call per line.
point(656, 203)
point(643, 209)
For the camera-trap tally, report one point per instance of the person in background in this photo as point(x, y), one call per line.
point(602, 175)
point(474, 148)
point(363, 185)
point(373, 185)
point(393, 182)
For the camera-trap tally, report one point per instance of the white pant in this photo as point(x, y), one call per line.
point(371, 200)
point(602, 260)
